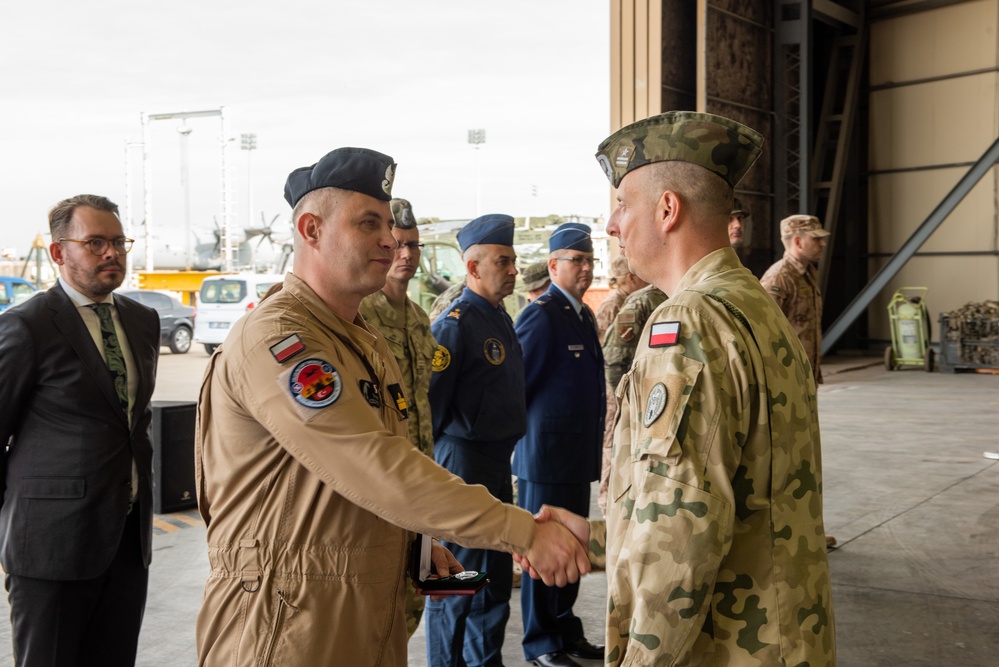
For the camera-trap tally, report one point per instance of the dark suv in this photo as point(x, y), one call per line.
point(176, 319)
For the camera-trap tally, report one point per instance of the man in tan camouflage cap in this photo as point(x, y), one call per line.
point(623, 282)
point(793, 282)
point(536, 279)
point(715, 542)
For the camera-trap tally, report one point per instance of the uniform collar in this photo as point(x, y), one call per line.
point(799, 266)
point(573, 301)
point(718, 261)
point(389, 313)
point(358, 330)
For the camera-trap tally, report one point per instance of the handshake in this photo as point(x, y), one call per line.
point(559, 553)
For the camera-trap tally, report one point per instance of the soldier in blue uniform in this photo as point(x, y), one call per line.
point(477, 403)
point(560, 454)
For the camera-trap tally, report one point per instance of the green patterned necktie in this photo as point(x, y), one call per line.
point(112, 353)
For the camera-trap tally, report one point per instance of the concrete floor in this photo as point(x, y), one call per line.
point(908, 494)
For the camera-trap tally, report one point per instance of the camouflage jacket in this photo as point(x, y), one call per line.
point(795, 287)
point(716, 549)
point(608, 310)
point(621, 339)
point(445, 299)
point(407, 333)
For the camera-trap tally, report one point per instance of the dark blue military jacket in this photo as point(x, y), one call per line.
point(566, 400)
point(477, 386)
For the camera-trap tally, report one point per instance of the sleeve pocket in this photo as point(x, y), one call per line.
point(662, 402)
point(53, 487)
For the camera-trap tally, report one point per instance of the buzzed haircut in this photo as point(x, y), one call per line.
point(699, 189)
point(62, 213)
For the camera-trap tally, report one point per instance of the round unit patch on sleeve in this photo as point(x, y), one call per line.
point(494, 351)
point(441, 360)
point(314, 383)
point(655, 404)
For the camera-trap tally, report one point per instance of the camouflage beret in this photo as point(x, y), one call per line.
point(402, 212)
point(535, 275)
point(802, 224)
point(720, 145)
point(358, 169)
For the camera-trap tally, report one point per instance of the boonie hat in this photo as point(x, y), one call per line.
point(535, 276)
point(802, 224)
point(402, 212)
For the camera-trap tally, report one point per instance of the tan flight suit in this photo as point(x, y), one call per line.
point(309, 491)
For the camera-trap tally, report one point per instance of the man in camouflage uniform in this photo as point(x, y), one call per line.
point(737, 224)
point(623, 282)
point(715, 542)
point(444, 300)
point(793, 282)
point(619, 346)
point(406, 329)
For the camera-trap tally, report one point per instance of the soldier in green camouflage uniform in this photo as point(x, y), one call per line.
point(619, 346)
point(406, 329)
point(534, 279)
point(715, 542)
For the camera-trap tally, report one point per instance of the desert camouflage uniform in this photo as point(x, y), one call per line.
point(795, 286)
point(608, 310)
point(619, 350)
point(716, 550)
point(445, 299)
point(407, 332)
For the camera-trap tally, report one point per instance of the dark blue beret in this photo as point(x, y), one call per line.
point(571, 236)
point(359, 169)
point(495, 228)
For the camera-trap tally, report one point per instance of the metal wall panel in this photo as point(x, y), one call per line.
point(934, 109)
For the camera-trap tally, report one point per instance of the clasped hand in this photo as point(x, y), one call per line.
point(558, 554)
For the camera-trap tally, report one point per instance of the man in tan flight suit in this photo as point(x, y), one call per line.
point(406, 329)
point(715, 542)
point(307, 481)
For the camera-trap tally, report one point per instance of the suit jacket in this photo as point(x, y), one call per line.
point(68, 465)
point(566, 400)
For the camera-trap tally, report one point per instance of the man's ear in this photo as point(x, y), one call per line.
point(56, 253)
point(472, 268)
point(667, 211)
point(307, 226)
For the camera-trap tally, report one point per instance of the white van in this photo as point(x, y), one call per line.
point(225, 299)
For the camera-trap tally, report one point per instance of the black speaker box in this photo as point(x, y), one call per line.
point(173, 456)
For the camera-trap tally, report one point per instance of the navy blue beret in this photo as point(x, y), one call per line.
point(571, 236)
point(359, 169)
point(494, 228)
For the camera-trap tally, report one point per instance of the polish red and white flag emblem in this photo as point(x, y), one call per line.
point(664, 334)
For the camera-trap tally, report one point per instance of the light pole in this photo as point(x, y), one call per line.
point(248, 142)
point(476, 138)
point(185, 184)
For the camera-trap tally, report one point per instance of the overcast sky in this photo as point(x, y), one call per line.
point(405, 77)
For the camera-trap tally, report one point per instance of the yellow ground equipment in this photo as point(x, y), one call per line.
point(910, 330)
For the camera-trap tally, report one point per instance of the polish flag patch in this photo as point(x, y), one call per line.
point(664, 334)
point(287, 348)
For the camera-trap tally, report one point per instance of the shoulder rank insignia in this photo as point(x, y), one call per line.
point(400, 400)
point(286, 349)
point(441, 360)
point(314, 383)
point(664, 334)
point(494, 351)
point(655, 404)
point(456, 313)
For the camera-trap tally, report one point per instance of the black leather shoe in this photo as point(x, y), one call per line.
point(556, 659)
point(584, 649)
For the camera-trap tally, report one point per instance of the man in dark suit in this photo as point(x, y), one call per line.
point(76, 377)
point(560, 454)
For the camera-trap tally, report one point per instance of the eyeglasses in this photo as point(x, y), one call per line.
point(414, 246)
point(578, 260)
point(100, 246)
